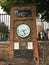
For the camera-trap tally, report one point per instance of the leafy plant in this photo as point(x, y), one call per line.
point(3, 28)
point(42, 6)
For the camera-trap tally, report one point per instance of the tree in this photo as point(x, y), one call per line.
point(42, 6)
point(3, 32)
point(3, 28)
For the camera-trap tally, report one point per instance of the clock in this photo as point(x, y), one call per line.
point(23, 30)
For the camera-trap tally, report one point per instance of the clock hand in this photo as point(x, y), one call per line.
point(24, 32)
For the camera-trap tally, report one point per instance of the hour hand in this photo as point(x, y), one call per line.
point(24, 32)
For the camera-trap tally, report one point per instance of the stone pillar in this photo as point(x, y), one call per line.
point(29, 20)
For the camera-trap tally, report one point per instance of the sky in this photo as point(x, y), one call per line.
point(1, 11)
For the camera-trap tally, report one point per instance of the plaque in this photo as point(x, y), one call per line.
point(30, 45)
point(16, 45)
point(23, 54)
point(23, 13)
point(23, 44)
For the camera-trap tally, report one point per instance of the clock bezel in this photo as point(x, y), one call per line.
point(27, 35)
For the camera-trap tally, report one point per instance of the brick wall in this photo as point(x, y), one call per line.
point(4, 50)
point(31, 21)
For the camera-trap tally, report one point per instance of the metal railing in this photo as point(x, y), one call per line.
point(4, 27)
point(43, 36)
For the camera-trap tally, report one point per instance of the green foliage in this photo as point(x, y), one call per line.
point(6, 4)
point(42, 6)
point(3, 28)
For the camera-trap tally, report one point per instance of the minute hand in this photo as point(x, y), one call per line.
point(24, 32)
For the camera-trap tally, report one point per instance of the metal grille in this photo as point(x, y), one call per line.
point(4, 27)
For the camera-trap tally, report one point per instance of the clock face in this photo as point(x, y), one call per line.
point(23, 30)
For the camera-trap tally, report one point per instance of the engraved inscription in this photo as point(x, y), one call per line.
point(23, 13)
point(23, 53)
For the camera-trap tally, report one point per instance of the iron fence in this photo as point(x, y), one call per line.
point(4, 27)
point(43, 35)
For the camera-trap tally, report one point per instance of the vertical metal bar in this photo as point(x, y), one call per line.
point(4, 18)
point(0, 18)
point(7, 20)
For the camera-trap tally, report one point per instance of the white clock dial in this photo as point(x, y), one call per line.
point(23, 30)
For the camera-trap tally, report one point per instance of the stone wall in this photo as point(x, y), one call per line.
point(4, 46)
point(43, 55)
